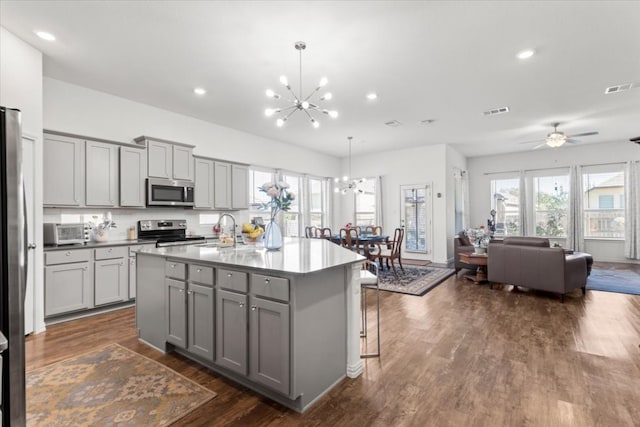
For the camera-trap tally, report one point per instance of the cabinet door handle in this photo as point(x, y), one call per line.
point(241, 304)
point(189, 292)
point(198, 270)
point(267, 280)
point(253, 308)
point(173, 266)
point(229, 274)
point(181, 290)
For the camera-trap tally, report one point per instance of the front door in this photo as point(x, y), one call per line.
point(415, 207)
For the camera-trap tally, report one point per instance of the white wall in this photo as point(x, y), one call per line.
point(586, 154)
point(21, 88)
point(82, 111)
point(421, 165)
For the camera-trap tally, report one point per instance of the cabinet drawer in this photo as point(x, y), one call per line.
point(65, 257)
point(177, 270)
point(232, 280)
point(113, 252)
point(270, 287)
point(201, 274)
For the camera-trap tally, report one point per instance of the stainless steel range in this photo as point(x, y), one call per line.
point(167, 232)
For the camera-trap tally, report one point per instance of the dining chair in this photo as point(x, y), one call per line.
point(391, 251)
point(310, 232)
point(369, 281)
point(324, 233)
point(375, 230)
point(350, 239)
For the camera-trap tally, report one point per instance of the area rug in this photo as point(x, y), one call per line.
point(415, 280)
point(108, 387)
point(620, 281)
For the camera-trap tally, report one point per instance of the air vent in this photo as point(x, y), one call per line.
point(427, 122)
point(495, 111)
point(622, 87)
point(393, 123)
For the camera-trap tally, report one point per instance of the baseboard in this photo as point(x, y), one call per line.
point(354, 371)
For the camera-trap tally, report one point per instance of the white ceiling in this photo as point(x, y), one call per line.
point(447, 61)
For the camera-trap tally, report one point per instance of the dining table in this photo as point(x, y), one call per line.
point(366, 240)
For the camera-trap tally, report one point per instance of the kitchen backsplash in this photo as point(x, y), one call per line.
point(198, 222)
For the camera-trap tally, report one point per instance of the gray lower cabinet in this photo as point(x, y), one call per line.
point(111, 281)
point(176, 312)
point(269, 344)
point(63, 171)
point(101, 178)
point(231, 331)
point(200, 305)
point(67, 288)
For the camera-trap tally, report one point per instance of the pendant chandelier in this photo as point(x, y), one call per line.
point(348, 184)
point(300, 103)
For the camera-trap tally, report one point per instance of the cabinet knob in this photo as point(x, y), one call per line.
point(241, 304)
point(253, 308)
point(68, 253)
point(267, 280)
point(189, 292)
point(110, 249)
point(198, 270)
point(229, 274)
point(181, 290)
point(173, 266)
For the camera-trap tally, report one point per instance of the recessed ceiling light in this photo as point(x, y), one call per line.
point(372, 96)
point(526, 54)
point(199, 91)
point(45, 36)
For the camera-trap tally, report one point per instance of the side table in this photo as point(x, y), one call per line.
point(476, 259)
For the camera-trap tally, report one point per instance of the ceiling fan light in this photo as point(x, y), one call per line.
point(284, 80)
point(280, 123)
point(305, 105)
point(333, 114)
point(326, 97)
point(323, 82)
point(315, 123)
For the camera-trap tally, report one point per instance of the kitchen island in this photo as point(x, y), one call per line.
point(283, 323)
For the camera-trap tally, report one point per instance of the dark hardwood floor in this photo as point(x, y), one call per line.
point(461, 355)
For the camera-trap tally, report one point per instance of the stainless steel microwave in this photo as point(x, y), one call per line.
point(65, 234)
point(168, 192)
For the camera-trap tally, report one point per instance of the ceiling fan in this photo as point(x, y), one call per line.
point(557, 138)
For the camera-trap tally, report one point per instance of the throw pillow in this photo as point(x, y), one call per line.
point(464, 240)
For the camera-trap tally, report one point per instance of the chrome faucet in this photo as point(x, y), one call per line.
point(234, 225)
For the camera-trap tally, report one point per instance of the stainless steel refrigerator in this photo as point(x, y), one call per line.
point(13, 268)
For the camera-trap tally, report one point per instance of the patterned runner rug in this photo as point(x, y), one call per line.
point(110, 386)
point(415, 280)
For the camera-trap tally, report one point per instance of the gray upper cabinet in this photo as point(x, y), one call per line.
point(160, 159)
point(203, 197)
point(182, 162)
point(168, 159)
point(239, 187)
point(101, 176)
point(222, 185)
point(133, 172)
point(63, 169)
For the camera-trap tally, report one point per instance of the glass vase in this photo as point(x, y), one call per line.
point(272, 237)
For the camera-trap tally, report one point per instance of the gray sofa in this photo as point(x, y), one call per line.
point(530, 262)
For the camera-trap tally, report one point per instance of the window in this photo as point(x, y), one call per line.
point(317, 202)
point(551, 205)
point(257, 177)
point(365, 204)
point(603, 201)
point(292, 218)
point(506, 202)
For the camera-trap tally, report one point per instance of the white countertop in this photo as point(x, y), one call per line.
point(297, 255)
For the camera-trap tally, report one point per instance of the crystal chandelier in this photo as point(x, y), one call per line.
point(298, 103)
point(348, 184)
